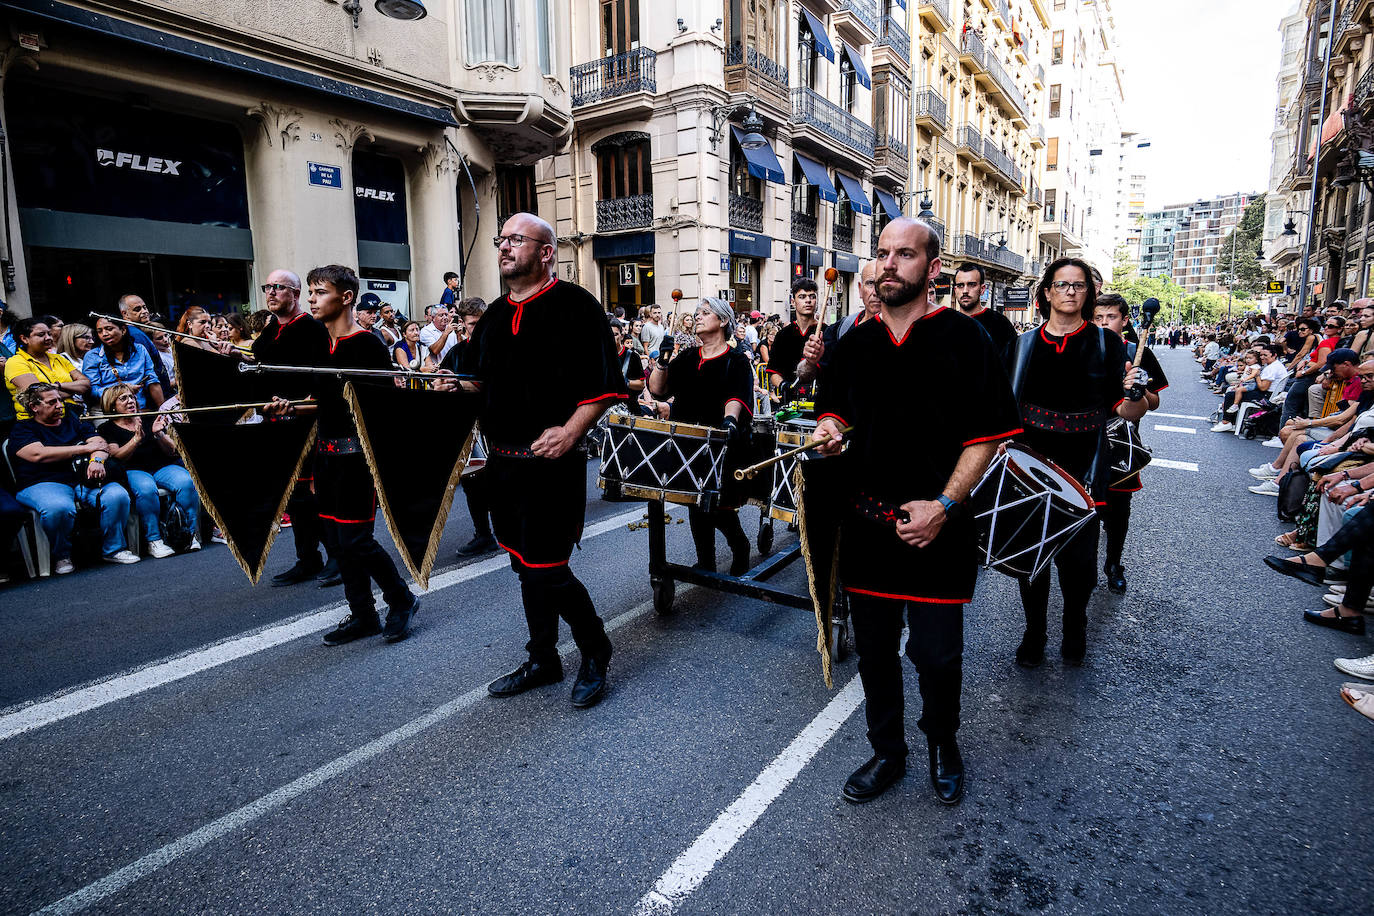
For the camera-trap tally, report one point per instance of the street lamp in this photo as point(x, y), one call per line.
point(752, 138)
point(905, 197)
point(408, 10)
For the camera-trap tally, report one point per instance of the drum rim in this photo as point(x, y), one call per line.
point(671, 427)
point(1016, 469)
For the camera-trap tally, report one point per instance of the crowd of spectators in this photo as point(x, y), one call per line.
point(1305, 385)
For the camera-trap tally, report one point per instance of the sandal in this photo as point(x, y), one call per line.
point(1359, 699)
point(1286, 539)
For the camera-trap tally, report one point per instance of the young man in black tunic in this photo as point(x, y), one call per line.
point(915, 452)
point(343, 484)
point(786, 351)
point(294, 338)
point(1111, 312)
point(712, 385)
point(1070, 378)
point(969, 285)
point(534, 423)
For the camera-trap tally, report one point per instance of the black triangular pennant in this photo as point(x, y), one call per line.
point(415, 482)
point(207, 379)
point(248, 515)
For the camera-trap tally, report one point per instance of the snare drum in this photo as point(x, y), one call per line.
point(1026, 508)
point(782, 502)
point(1127, 451)
point(647, 458)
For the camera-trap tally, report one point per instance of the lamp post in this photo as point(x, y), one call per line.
point(1317, 159)
point(1231, 274)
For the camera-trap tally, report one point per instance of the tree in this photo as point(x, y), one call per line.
point(1123, 271)
point(1138, 289)
point(1246, 274)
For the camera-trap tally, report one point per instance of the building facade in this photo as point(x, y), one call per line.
point(1285, 209)
point(183, 153)
point(1184, 241)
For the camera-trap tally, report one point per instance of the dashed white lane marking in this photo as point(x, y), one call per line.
point(78, 700)
point(691, 868)
point(117, 881)
point(1176, 465)
point(1175, 429)
point(1177, 416)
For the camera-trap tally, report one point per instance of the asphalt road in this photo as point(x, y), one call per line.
point(152, 760)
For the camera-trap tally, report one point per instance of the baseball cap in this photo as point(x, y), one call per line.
point(1342, 355)
point(369, 302)
point(756, 314)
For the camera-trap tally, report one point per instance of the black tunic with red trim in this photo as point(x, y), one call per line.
point(1079, 374)
point(786, 353)
point(999, 328)
point(1157, 383)
point(915, 405)
point(302, 341)
point(343, 484)
point(538, 360)
point(701, 388)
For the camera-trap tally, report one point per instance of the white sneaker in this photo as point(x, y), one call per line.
point(1268, 488)
point(1265, 471)
point(1233, 408)
point(1338, 589)
point(63, 567)
point(124, 557)
point(218, 537)
point(1334, 599)
point(159, 549)
point(1273, 442)
point(195, 544)
point(1357, 667)
point(1224, 427)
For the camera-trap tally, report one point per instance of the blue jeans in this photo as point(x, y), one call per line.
point(173, 477)
point(55, 504)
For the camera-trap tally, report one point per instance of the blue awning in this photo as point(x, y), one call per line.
point(901, 3)
point(845, 262)
point(823, 45)
point(763, 162)
point(857, 61)
point(815, 173)
point(858, 200)
point(634, 245)
point(889, 203)
point(750, 245)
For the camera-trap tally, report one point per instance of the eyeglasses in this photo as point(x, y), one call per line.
point(279, 287)
point(1063, 286)
point(1333, 327)
point(514, 240)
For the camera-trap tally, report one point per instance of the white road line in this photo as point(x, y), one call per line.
point(158, 859)
point(690, 869)
point(1176, 465)
point(82, 699)
point(1175, 429)
point(1178, 416)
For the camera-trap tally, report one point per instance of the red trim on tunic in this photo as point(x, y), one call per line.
point(520, 306)
point(1158, 390)
point(351, 521)
point(335, 343)
point(1118, 403)
point(932, 313)
point(1006, 435)
point(601, 397)
point(281, 326)
point(833, 416)
point(1135, 489)
point(1063, 341)
point(922, 600)
point(740, 403)
point(703, 360)
point(528, 565)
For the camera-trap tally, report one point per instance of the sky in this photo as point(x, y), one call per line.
point(1200, 84)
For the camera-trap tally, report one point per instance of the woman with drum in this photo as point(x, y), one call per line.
point(712, 385)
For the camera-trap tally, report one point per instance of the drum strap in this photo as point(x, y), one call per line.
point(349, 445)
point(508, 451)
point(880, 511)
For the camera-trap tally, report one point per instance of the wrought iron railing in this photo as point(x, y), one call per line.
point(939, 225)
point(1039, 71)
point(803, 227)
point(873, 244)
point(1365, 85)
point(757, 63)
point(866, 11)
point(1004, 10)
point(843, 237)
point(998, 159)
point(617, 213)
point(810, 107)
point(746, 213)
point(971, 46)
point(1034, 193)
point(895, 37)
point(941, 8)
point(1038, 132)
point(967, 137)
point(926, 102)
point(896, 148)
point(621, 74)
point(1006, 84)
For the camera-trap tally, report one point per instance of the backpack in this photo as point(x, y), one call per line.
point(1292, 492)
point(176, 528)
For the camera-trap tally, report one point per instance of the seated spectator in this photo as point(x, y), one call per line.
point(196, 322)
point(35, 362)
point(408, 352)
point(143, 445)
point(119, 360)
point(59, 461)
point(75, 341)
point(1210, 353)
point(1272, 372)
point(162, 342)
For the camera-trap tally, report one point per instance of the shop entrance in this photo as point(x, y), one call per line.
point(71, 283)
point(628, 283)
point(744, 273)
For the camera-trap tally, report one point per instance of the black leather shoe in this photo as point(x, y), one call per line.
point(329, 581)
point(301, 572)
point(479, 545)
point(947, 771)
point(739, 562)
point(398, 622)
point(528, 676)
point(1300, 570)
point(1031, 652)
point(1346, 624)
point(1073, 648)
point(353, 627)
point(1116, 578)
point(590, 687)
point(873, 779)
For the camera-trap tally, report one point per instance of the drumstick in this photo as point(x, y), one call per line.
point(749, 472)
point(176, 410)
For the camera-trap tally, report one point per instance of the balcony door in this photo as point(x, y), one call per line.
point(619, 26)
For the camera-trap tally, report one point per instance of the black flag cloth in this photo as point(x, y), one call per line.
point(206, 379)
point(247, 509)
point(415, 481)
point(815, 484)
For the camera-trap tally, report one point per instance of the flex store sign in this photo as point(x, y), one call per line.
point(137, 162)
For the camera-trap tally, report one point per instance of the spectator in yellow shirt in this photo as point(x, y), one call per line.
point(35, 362)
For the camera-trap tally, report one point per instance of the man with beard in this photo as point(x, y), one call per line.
point(294, 338)
point(969, 285)
point(786, 352)
point(814, 354)
point(907, 548)
point(534, 423)
point(133, 308)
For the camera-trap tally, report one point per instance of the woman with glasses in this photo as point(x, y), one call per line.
point(1070, 378)
point(118, 360)
point(35, 362)
point(75, 341)
point(1319, 339)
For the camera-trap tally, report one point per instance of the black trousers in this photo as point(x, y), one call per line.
point(1077, 565)
point(551, 592)
point(704, 526)
point(308, 530)
point(935, 645)
point(1116, 519)
point(363, 561)
point(479, 502)
point(1357, 537)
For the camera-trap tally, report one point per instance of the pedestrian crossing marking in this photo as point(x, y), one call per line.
point(1177, 416)
point(1176, 465)
point(1175, 429)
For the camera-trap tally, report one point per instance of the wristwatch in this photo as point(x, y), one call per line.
point(945, 501)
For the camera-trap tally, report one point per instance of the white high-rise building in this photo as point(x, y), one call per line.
point(1285, 206)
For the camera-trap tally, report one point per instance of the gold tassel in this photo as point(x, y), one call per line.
point(823, 607)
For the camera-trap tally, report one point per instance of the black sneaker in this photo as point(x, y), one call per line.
point(353, 627)
point(479, 545)
point(1031, 653)
point(301, 572)
point(398, 622)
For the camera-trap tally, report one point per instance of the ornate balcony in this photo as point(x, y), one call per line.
point(1034, 199)
point(619, 213)
point(895, 39)
point(968, 143)
point(928, 108)
point(935, 15)
point(609, 77)
point(1037, 136)
point(1001, 162)
point(746, 68)
point(1038, 74)
point(1003, 10)
point(972, 53)
point(857, 21)
point(843, 237)
point(812, 110)
point(746, 213)
point(803, 227)
point(890, 160)
point(939, 225)
point(1013, 100)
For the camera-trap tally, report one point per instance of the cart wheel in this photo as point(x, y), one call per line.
point(766, 539)
point(839, 641)
point(663, 596)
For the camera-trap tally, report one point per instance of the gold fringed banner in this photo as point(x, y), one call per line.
point(209, 379)
point(822, 587)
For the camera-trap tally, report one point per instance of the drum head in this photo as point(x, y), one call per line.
point(1032, 466)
